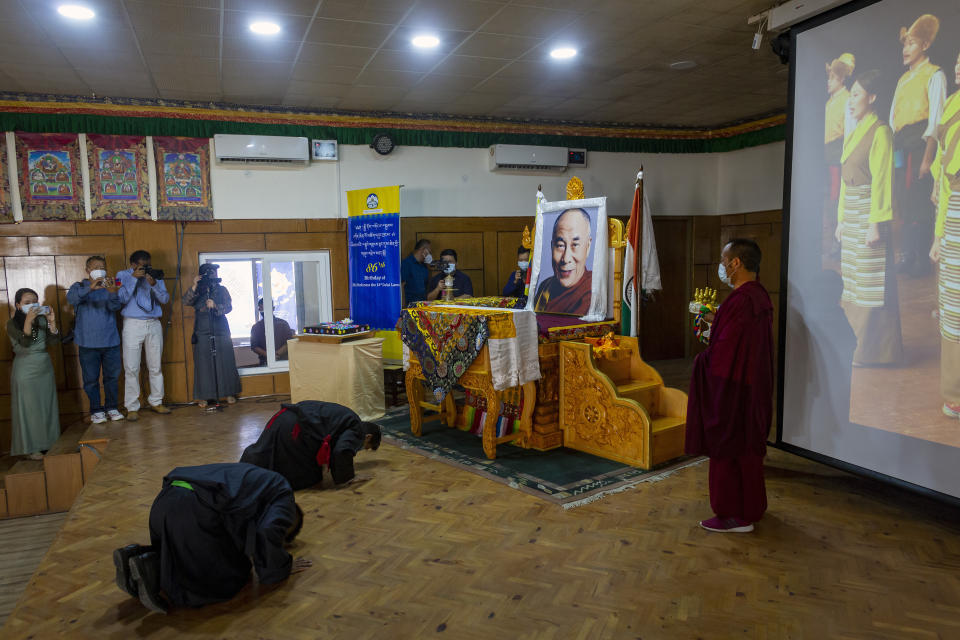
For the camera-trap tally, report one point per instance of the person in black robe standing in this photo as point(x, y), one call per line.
point(206, 525)
point(301, 438)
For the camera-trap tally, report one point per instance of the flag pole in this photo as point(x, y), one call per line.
point(638, 262)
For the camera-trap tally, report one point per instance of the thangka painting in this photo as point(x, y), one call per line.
point(183, 178)
point(119, 182)
point(569, 270)
point(6, 206)
point(51, 187)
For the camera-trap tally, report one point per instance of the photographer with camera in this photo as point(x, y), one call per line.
point(142, 294)
point(214, 366)
point(95, 302)
point(34, 412)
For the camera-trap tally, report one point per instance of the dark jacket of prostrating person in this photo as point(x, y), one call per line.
point(210, 521)
point(303, 437)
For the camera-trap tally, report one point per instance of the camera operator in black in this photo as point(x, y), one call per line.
point(214, 366)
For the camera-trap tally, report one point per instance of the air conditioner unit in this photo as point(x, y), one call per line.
point(520, 157)
point(794, 11)
point(242, 149)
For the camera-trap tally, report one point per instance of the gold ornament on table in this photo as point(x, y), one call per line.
point(704, 302)
point(448, 287)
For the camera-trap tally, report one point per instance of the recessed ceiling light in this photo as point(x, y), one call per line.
point(562, 53)
point(265, 28)
point(75, 11)
point(680, 65)
point(425, 42)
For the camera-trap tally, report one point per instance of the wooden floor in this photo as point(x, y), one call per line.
point(25, 542)
point(427, 550)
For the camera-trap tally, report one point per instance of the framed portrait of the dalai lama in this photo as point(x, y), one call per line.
point(569, 271)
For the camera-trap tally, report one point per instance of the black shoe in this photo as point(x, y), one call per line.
point(145, 569)
point(121, 560)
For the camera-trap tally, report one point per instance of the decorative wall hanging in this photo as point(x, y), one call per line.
point(50, 184)
point(183, 179)
point(6, 205)
point(119, 180)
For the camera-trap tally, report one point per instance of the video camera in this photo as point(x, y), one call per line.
point(156, 274)
point(208, 282)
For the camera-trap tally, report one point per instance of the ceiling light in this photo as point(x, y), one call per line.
point(426, 42)
point(75, 11)
point(681, 65)
point(562, 53)
point(265, 28)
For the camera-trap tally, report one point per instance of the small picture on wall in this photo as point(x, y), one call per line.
point(325, 150)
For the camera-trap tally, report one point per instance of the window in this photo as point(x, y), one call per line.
point(296, 293)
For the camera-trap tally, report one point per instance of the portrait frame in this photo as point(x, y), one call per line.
point(543, 276)
point(324, 150)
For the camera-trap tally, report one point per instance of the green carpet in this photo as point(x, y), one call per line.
point(563, 476)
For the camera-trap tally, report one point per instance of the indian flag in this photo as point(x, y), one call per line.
point(630, 303)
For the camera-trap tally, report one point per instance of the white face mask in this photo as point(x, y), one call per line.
point(427, 259)
point(30, 305)
point(724, 277)
point(523, 264)
point(450, 267)
point(98, 274)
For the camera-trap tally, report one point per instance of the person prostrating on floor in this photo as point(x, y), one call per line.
point(302, 438)
point(730, 405)
point(206, 526)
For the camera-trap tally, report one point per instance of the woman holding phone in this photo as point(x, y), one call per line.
point(33, 388)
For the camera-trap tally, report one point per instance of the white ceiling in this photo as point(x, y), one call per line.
point(356, 55)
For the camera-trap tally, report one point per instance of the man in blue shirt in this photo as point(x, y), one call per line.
point(142, 297)
point(95, 303)
point(462, 285)
point(414, 273)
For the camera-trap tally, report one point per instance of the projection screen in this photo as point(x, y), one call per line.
point(871, 333)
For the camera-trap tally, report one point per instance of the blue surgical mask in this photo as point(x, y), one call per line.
point(449, 267)
point(523, 264)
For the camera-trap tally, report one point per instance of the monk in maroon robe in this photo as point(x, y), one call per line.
point(731, 394)
point(570, 288)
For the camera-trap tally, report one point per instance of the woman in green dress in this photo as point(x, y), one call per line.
point(33, 388)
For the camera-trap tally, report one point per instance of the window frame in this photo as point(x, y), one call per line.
point(267, 258)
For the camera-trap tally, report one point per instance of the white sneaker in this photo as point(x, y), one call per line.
point(114, 415)
point(98, 418)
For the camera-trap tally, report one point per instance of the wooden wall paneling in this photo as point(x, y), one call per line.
point(3, 503)
point(75, 245)
point(5, 371)
point(469, 247)
point(26, 493)
point(100, 228)
point(487, 284)
point(6, 427)
point(51, 228)
point(263, 226)
point(321, 225)
point(71, 401)
point(64, 480)
point(664, 319)
point(210, 226)
point(36, 272)
point(160, 240)
point(259, 385)
point(5, 405)
point(177, 381)
point(14, 246)
point(281, 383)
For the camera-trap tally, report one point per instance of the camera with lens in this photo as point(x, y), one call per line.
point(156, 274)
point(208, 280)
